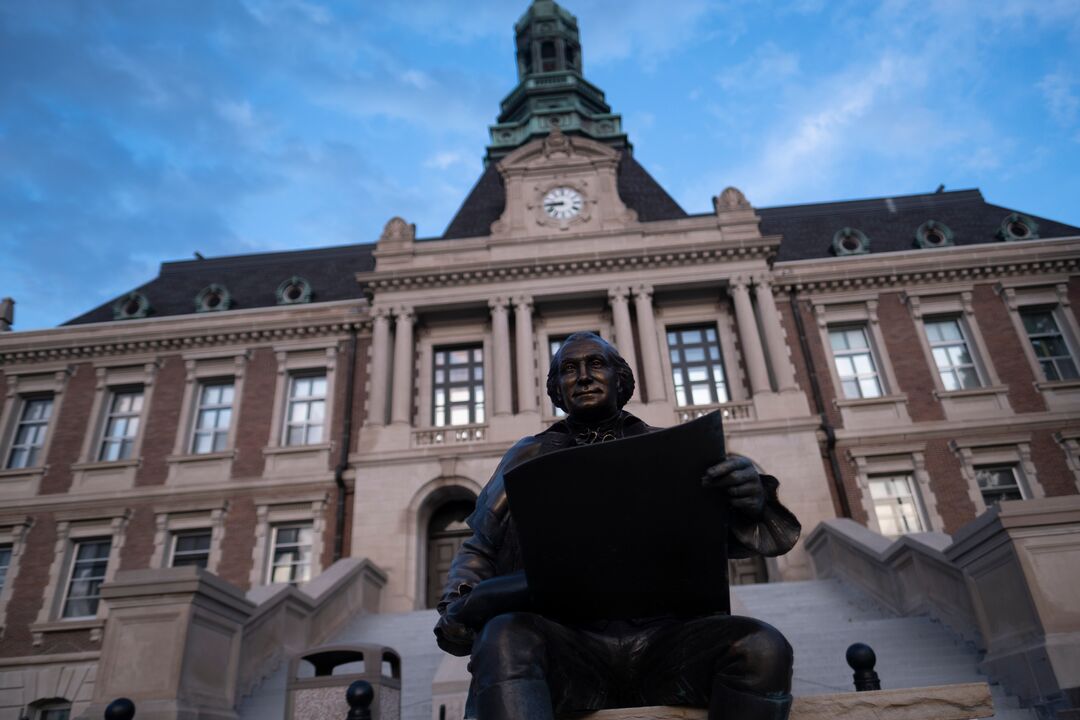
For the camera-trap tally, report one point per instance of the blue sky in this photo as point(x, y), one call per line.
point(134, 132)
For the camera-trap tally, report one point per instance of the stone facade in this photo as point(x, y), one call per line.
point(334, 439)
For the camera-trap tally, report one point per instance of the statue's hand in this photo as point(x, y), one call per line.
point(453, 637)
point(738, 477)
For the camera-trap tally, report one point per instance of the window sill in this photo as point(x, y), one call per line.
point(17, 483)
point(208, 468)
point(94, 625)
point(106, 464)
point(1060, 395)
point(886, 411)
point(975, 403)
point(20, 472)
point(204, 457)
point(870, 402)
point(1057, 384)
point(984, 391)
point(294, 449)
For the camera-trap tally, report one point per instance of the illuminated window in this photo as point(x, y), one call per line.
point(697, 369)
point(458, 386)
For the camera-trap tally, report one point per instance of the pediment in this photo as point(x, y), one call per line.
point(558, 150)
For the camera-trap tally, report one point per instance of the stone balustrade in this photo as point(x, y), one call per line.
point(743, 410)
point(449, 435)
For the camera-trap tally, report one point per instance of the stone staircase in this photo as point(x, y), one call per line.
point(820, 618)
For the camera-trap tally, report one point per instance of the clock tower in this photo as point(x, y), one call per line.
point(551, 86)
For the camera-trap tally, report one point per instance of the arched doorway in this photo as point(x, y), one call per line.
point(446, 532)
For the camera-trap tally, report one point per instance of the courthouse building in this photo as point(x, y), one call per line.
point(903, 361)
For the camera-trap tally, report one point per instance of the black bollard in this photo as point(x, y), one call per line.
point(359, 697)
point(861, 658)
point(120, 709)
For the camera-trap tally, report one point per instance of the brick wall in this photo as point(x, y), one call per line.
point(909, 362)
point(850, 474)
point(70, 429)
point(1051, 465)
point(28, 593)
point(256, 413)
point(162, 423)
point(238, 542)
point(138, 539)
point(1006, 350)
point(949, 486)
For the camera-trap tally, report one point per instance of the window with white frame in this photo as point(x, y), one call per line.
point(854, 361)
point(213, 417)
point(121, 426)
point(5, 563)
point(952, 353)
point(458, 386)
point(290, 553)
point(697, 367)
point(896, 504)
point(999, 482)
point(1051, 349)
point(191, 547)
point(89, 563)
point(305, 415)
point(29, 436)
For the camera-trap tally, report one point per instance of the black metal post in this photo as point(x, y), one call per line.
point(120, 709)
point(862, 659)
point(359, 697)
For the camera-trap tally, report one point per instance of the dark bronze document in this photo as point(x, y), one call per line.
point(624, 529)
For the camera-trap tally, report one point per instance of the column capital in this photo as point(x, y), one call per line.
point(739, 283)
point(643, 290)
point(618, 294)
point(762, 280)
point(498, 304)
point(404, 313)
point(380, 312)
point(522, 302)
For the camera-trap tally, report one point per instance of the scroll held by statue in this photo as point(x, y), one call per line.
point(624, 529)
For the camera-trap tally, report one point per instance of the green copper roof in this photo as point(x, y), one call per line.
point(551, 87)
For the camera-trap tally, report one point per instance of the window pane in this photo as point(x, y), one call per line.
point(696, 360)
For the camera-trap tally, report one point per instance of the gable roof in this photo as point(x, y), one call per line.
point(252, 280)
point(637, 188)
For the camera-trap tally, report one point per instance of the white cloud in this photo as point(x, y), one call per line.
point(417, 78)
point(768, 65)
point(446, 159)
point(1061, 102)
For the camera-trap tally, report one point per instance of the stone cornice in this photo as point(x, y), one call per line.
point(475, 273)
point(966, 263)
point(152, 336)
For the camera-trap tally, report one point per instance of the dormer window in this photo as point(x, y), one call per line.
point(131, 306)
point(850, 241)
point(213, 298)
point(932, 234)
point(294, 291)
point(1018, 227)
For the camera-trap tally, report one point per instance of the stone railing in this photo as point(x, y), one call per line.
point(910, 575)
point(742, 410)
point(449, 435)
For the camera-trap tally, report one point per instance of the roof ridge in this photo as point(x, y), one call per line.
point(875, 203)
point(262, 257)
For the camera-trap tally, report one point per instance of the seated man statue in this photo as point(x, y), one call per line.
point(529, 667)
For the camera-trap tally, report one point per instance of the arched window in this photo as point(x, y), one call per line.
point(446, 532)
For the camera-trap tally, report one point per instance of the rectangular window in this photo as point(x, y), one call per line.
point(896, 504)
point(290, 556)
point(213, 416)
point(998, 482)
point(5, 563)
point(29, 437)
point(1051, 350)
point(855, 364)
point(306, 413)
point(458, 386)
point(90, 560)
point(54, 711)
point(697, 369)
point(121, 425)
point(952, 355)
point(191, 548)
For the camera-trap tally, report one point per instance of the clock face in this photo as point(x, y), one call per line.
point(563, 203)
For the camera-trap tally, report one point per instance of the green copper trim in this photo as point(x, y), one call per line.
point(1016, 226)
point(934, 234)
point(850, 241)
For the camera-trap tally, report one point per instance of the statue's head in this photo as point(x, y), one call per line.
point(588, 378)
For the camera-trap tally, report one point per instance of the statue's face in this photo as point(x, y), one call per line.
point(590, 386)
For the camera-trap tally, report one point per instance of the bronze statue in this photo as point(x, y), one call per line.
point(529, 667)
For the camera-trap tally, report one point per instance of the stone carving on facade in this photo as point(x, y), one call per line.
point(731, 199)
point(397, 232)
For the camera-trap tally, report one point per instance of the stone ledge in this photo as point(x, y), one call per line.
point(940, 702)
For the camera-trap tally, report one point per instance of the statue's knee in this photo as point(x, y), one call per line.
point(767, 649)
point(509, 637)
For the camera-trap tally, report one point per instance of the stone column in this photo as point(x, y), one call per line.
point(650, 351)
point(500, 329)
point(749, 338)
point(624, 334)
point(401, 402)
point(526, 360)
point(774, 335)
point(380, 366)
